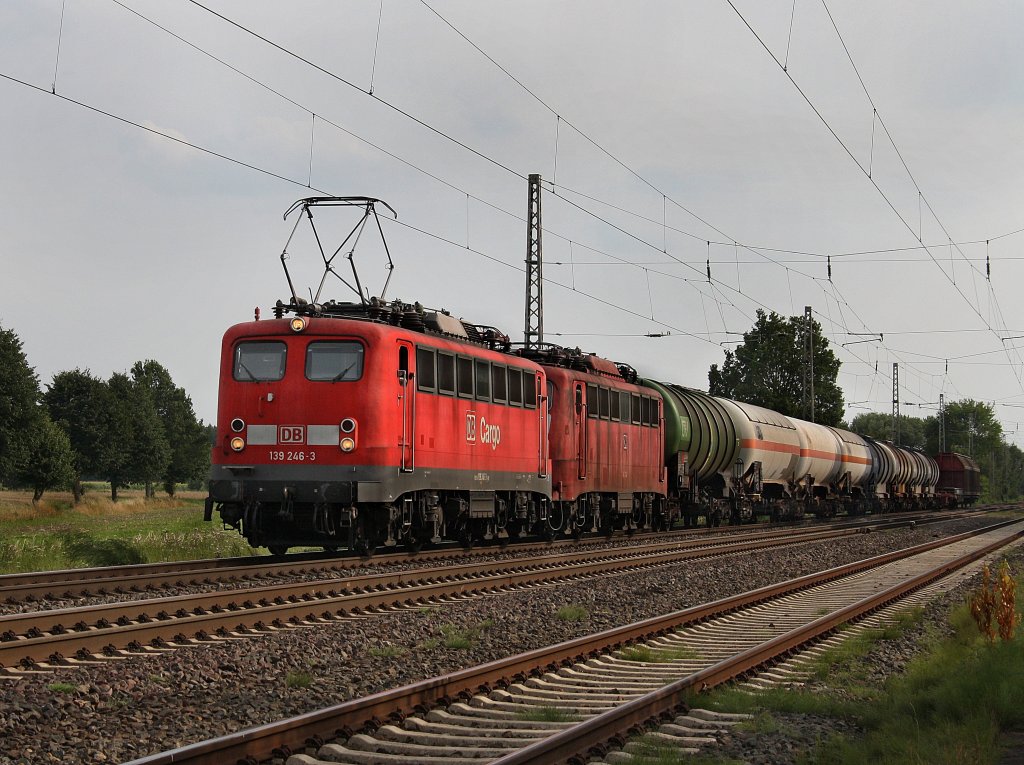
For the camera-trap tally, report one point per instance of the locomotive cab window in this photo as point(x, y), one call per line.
point(425, 369)
point(332, 361)
point(260, 361)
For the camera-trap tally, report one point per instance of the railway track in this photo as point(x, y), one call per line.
point(69, 584)
point(602, 681)
point(38, 639)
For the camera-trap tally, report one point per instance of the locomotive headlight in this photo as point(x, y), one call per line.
point(348, 425)
point(237, 425)
point(298, 323)
point(348, 444)
point(237, 443)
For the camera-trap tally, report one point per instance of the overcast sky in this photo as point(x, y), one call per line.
point(658, 127)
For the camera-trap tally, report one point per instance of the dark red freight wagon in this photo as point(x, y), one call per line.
point(959, 479)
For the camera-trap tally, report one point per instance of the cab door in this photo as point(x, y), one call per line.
point(406, 406)
point(580, 409)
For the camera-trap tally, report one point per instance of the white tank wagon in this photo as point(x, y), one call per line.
point(735, 460)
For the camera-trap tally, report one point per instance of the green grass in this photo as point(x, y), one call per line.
point(387, 651)
point(572, 614)
point(62, 687)
point(646, 654)
point(462, 638)
point(546, 714)
point(57, 535)
point(949, 707)
point(842, 665)
point(298, 679)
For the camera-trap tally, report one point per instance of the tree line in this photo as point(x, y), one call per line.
point(768, 369)
point(131, 428)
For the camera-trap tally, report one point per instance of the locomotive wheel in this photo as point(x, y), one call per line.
point(277, 550)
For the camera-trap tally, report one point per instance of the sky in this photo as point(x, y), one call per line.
point(150, 149)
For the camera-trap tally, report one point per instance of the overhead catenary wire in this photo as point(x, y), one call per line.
point(308, 183)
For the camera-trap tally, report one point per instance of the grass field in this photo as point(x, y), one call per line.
point(951, 706)
point(55, 534)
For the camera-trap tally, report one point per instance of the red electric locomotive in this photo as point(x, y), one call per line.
point(377, 424)
point(607, 445)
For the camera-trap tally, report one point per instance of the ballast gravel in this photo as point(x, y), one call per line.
point(121, 709)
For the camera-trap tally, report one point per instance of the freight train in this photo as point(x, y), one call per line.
point(379, 423)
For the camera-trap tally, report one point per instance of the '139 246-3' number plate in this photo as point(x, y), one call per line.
point(292, 456)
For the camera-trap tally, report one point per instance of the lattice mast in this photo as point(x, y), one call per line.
point(942, 422)
point(533, 334)
point(808, 365)
point(896, 403)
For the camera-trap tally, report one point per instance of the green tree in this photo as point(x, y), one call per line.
point(80, 405)
point(971, 429)
point(185, 435)
point(766, 369)
point(19, 405)
point(50, 463)
point(134, 448)
point(879, 426)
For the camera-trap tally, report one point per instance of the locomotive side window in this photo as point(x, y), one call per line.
point(446, 373)
point(331, 361)
point(498, 383)
point(258, 361)
point(483, 381)
point(425, 368)
point(464, 367)
point(592, 408)
point(515, 387)
point(614, 413)
point(635, 408)
point(624, 407)
point(529, 391)
point(602, 394)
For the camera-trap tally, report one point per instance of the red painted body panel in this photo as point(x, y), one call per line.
point(426, 429)
point(594, 454)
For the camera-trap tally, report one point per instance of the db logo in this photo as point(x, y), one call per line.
point(291, 434)
point(471, 427)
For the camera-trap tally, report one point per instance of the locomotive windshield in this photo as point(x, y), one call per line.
point(334, 361)
point(259, 361)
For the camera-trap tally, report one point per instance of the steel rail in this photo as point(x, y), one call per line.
point(611, 727)
point(341, 720)
point(67, 583)
point(135, 577)
point(29, 638)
